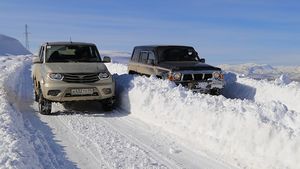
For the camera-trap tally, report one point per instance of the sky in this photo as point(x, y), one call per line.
point(222, 31)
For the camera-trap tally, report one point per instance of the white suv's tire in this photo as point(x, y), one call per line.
point(44, 104)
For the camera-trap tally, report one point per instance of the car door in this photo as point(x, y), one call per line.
point(134, 61)
point(142, 67)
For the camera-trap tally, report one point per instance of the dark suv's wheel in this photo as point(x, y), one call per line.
point(44, 104)
point(215, 92)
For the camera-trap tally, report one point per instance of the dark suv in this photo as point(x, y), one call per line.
point(180, 64)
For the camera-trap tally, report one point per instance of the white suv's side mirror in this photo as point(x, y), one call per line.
point(106, 59)
point(36, 60)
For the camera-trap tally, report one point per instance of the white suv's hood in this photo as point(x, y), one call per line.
point(75, 67)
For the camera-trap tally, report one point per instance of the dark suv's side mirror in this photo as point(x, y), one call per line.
point(150, 62)
point(202, 60)
point(106, 59)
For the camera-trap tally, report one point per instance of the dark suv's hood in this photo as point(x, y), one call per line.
point(187, 66)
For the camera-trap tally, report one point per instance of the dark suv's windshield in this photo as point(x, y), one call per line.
point(72, 53)
point(177, 53)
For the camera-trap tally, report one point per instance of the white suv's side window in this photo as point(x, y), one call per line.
point(41, 54)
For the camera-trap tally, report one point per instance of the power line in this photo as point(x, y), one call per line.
point(26, 37)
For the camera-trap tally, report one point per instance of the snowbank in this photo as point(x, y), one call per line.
point(16, 149)
point(11, 46)
point(262, 131)
point(281, 89)
point(26, 142)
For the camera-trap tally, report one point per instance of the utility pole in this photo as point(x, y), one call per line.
point(26, 37)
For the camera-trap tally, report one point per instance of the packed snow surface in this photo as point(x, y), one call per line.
point(11, 46)
point(254, 124)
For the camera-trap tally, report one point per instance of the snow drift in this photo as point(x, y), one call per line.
point(22, 145)
point(16, 149)
point(11, 46)
point(258, 131)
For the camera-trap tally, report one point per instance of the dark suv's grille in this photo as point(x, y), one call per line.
point(81, 77)
point(197, 77)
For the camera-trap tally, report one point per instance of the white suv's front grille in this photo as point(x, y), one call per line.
point(80, 77)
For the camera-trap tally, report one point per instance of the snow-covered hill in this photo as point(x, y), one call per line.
point(11, 46)
point(256, 124)
point(264, 71)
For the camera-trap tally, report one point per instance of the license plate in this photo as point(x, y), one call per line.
point(201, 85)
point(81, 91)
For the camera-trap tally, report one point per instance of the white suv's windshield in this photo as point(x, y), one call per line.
point(72, 53)
point(177, 53)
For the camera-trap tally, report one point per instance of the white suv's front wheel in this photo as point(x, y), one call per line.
point(44, 104)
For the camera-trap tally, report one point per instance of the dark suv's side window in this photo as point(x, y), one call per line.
point(135, 55)
point(144, 57)
point(151, 55)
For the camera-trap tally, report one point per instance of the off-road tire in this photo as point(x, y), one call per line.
point(215, 92)
point(44, 104)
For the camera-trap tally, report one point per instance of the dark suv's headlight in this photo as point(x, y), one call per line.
point(174, 76)
point(218, 75)
point(55, 76)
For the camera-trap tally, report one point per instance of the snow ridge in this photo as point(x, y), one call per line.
point(22, 145)
point(261, 131)
point(16, 150)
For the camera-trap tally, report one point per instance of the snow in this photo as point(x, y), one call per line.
point(21, 145)
point(257, 124)
point(117, 56)
point(254, 124)
point(264, 71)
point(11, 46)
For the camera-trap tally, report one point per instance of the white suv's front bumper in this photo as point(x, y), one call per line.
point(64, 88)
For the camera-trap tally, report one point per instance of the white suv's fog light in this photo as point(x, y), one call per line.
point(106, 90)
point(53, 92)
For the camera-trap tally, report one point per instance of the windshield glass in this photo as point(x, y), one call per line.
point(177, 53)
point(72, 53)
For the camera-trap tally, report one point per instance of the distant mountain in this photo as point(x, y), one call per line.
point(11, 46)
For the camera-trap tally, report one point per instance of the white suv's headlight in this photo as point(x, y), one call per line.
point(103, 75)
point(55, 76)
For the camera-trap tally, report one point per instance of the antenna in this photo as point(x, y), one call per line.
point(26, 37)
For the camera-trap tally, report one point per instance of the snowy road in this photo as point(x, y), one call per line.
point(96, 140)
point(256, 126)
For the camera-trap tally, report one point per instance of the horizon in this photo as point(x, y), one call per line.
point(223, 32)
